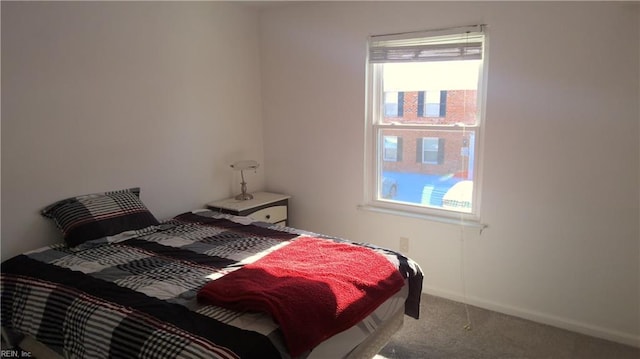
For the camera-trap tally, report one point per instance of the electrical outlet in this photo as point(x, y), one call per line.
point(404, 245)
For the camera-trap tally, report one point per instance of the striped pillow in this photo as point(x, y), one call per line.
point(92, 216)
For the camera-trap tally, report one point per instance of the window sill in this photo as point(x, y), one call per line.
point(465, 222)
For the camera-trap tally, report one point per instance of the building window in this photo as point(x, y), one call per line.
point(393, 104)
point(431, 150)
point(432, 104)
point(392, 151)
point(426, 88)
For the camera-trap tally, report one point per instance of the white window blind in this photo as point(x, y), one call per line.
point(460, 43)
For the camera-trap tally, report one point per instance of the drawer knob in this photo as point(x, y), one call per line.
point(268, 216)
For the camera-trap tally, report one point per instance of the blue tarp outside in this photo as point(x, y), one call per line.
point(421, 188)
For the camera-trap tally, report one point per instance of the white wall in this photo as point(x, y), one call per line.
point(106, 95)
point(561, 158)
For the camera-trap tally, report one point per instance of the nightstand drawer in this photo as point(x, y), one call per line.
point(273, 214)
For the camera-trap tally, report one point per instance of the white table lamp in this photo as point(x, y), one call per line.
point(242, 166)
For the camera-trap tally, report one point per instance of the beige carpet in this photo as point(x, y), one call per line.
point(440, 334)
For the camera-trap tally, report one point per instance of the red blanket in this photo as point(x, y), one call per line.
point(313, 288)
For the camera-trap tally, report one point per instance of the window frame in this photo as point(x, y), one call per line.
point(374, 155)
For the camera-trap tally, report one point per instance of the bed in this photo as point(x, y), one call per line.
point(200, 285)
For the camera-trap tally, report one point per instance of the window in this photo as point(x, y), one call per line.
point(392, 148)
point(393, 104)
point(425, 89)
point(432, 104)
point(432, 150)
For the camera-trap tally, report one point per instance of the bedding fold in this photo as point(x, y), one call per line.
point(309, 270)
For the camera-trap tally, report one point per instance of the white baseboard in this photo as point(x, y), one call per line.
point(564, 323)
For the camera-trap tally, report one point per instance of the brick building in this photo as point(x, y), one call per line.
point(432, 151)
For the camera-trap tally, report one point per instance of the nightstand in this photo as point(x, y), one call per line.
point(265, 207)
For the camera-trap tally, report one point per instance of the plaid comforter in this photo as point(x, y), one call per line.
point(137, 297)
